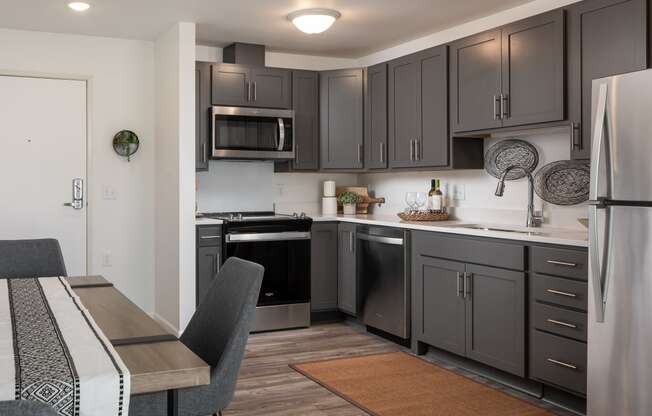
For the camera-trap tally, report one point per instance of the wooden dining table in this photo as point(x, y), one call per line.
point(156, 359)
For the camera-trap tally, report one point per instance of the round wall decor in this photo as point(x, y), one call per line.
point(564, 182)
point(511, 152)
point(126, 143)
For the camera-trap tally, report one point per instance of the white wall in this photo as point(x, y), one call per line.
point(174, 170)
point(121, 97)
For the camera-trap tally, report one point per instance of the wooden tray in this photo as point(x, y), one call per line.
point(363, 191)
point(423, 216)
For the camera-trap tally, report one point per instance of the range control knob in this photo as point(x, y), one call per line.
point(303, 216)
point(295, 215)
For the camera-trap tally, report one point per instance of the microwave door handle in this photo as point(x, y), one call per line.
point(281, 135)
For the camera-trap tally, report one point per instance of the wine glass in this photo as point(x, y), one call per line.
point(420, 200)
point(410, 200)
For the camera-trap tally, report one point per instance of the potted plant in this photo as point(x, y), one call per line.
point(349, 200)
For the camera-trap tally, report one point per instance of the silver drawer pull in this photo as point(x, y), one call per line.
point(560, 323)
point(210, 237)
point(562, 364)
point(561, 263)
point(559, 292)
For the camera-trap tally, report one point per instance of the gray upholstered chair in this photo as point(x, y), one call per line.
point(31, 258)
point(25, 408)
point(218, 333)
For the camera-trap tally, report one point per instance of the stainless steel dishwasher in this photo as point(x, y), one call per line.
point(384, 279)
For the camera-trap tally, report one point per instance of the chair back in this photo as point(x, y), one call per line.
point(31, 258)
point(219, 329)
point(25, 408)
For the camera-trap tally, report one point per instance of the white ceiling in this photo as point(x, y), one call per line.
point(366, 26)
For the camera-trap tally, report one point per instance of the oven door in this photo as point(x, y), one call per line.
point(252, 133)
point(285, 255)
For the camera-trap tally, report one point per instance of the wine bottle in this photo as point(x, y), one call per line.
point(435, 196)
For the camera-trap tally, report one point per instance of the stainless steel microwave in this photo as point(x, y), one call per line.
point(252, 133)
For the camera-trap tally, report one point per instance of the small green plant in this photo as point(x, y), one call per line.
point(348, 197)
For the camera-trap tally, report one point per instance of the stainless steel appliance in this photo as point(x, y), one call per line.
point(281, 244)
point(620, 248)
point(383, 275)
point(252, 133)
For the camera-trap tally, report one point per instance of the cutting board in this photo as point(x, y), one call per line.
point(363, 191)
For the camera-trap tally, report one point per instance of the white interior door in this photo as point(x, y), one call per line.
point(42, 150)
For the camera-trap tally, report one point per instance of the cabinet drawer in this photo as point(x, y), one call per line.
point(559, 321)
point(559, 361)
point(560, 262)
point(560, 291)
point(208, 236)
point(470, 250)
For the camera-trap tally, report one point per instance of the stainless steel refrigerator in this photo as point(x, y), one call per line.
point(620, 248)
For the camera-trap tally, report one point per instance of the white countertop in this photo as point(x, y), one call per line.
point(547, 235)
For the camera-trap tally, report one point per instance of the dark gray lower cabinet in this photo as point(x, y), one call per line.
point(347, 279)
point(470, 310)
point(209, 258)
point(323, 265)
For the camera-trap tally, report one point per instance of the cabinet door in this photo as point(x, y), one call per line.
point(202, 114)
point(271, 87)
point(476, 72)
point(347, 282)
point(495, 318)
point(437, 303)
point(305, 102)
point(230, 85)
point(341, 120)
point(323, 264)
point(376, 117)
point(403, 109)
point(431, 148)
point(606, 37)
point(533, 70)
point(208, 264)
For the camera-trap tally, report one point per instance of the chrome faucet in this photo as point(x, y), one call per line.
point(533, 220)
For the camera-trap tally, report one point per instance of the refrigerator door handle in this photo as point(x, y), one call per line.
point(601, 129)
point(599, 269)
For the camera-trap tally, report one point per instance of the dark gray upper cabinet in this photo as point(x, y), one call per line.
point(606, 37)
point(230, 85)
point(305, 100)
point(324, 270)
point(244, 85)
point(341, 119)
point(510, 76)
point(533, 70)
point(375, 143)
point(495, 318)
point(476, 81)
point(438, 307)
point(271, 87)
point(202, 115)
point(347, 281)
point(418, 109)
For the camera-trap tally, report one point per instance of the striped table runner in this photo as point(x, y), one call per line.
point(52, 351)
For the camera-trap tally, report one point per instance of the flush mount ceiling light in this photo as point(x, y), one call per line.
point(79, 6)
point(313, 21)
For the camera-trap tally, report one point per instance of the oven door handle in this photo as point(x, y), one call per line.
point(283, 236)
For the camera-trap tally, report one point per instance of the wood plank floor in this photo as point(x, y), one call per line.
point(267, 386)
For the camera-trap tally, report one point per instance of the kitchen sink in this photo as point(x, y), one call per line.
point(499, 228)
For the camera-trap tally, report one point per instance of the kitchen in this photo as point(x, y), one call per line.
point(493, 167)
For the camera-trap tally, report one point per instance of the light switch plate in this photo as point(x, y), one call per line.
point(459, 192)
point(108, 192)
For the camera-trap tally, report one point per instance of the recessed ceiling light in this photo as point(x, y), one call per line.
point(314, 20)
point(79, 6)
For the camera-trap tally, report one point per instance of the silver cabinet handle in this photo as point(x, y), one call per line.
point(417, 149)
point(248, 91)
point(561, 323)
point(562, 364)
point(210, 237)
point(467, 284)
point(255, 92)
point(561, 263)
point(411, 150)
point(459, 284)
point(575, 142)
point(559, 292)
point(382, 152)
point(351, 241)
point(496, 104)
point(360, 153)
point(504, 106)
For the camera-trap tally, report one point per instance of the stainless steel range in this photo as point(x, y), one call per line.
point(281, 244)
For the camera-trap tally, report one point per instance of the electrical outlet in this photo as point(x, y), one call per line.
point(459, 192)
point(107, 258)
point(108, 192)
